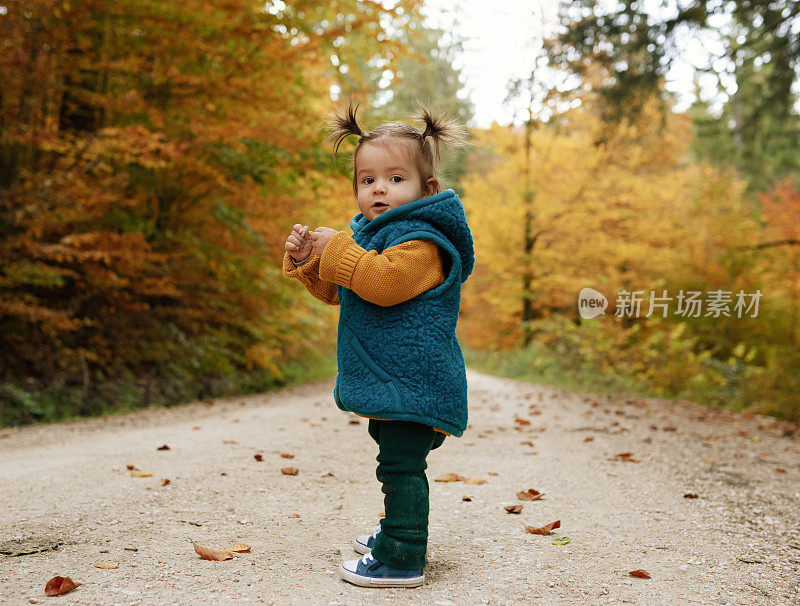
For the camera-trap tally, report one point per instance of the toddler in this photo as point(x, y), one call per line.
point(397, 280)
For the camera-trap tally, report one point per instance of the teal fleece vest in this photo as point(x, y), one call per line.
point(404, 361)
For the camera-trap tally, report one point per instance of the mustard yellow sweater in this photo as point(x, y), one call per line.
point(397, 274)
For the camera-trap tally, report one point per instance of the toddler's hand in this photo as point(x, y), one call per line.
point(320, 238)
point(298, 244)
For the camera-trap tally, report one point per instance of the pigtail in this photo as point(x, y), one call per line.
point(342, 126)
point(442, 130)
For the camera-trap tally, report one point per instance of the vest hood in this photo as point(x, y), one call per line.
point(443, 211)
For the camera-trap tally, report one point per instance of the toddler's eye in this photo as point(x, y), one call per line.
point(398, 177)
point(368, 180)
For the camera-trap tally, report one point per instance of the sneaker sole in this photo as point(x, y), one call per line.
point(360, 548)
point(357, 579)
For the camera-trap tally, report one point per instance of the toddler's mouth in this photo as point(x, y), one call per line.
point(380, 205)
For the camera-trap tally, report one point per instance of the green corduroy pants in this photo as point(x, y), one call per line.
point(402, 449)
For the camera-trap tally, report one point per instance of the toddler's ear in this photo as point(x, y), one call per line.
point(432, 186)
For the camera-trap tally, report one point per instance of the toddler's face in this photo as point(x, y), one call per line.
point(387, 177)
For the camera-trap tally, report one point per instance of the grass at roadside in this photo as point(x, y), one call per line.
point(20, 406)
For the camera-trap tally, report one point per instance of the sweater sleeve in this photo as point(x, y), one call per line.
point(399, 273)
point(308, 274)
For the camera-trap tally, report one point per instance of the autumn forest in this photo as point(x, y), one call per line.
point(154, 156)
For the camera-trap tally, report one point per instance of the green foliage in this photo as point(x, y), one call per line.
point(650, 359)
point(165, 384)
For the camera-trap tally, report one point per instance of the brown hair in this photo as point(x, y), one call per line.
point(438, 130)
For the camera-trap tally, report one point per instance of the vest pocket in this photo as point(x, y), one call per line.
point(384, 377)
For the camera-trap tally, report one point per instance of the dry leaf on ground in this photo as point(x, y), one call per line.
point(450, 477)
point(289, 471)
point(544, 529)
point(474, 481)
point(107, 565)
point(642, 574)
point(467, 499)
point(209, 553)
point(238, 548)
point(164, 481)
point(59, 585)
point(141, 474)
point(294, 515)
point(529, 495)
point(163, 447)
point(131, 467)
point(513, 508)
point(588, 439)
point(624, 456)
point(286, 455)
point(690, 495)
point(258, 457)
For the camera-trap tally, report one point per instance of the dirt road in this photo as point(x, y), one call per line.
point(66, 491)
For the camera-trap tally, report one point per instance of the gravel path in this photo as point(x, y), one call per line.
point(68, 497)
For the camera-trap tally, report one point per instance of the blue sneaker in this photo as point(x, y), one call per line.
point(369, 572)
point(363, 544)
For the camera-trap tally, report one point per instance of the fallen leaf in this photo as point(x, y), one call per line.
point(527, 443)
point(642, 574)
point(140, 474)
point(382, 514)
point(450, 477)
point(474, 481)
point(493, 473)
point(130, 467)
point(196, 427)
point(588, 439)
point(513, 508)
point(521, 421)
point(529, 495)
point(238, 548)
point(106, 565)
point(289, 471)
point(544, 529)
point(467, 499)
point(229, 441)
point(286, 455)
point(327, 475)
point(780, 470)
point(163, 447)
point(690, 495)
point(258, 457)
point(59, 585)
point(354, 422)
point(561, 541)
point(209, 553)
point(164, 481)
point(624, 456)
point(294, 515)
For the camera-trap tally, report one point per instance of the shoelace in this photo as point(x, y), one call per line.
point(375, 534)
point(365, 560)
